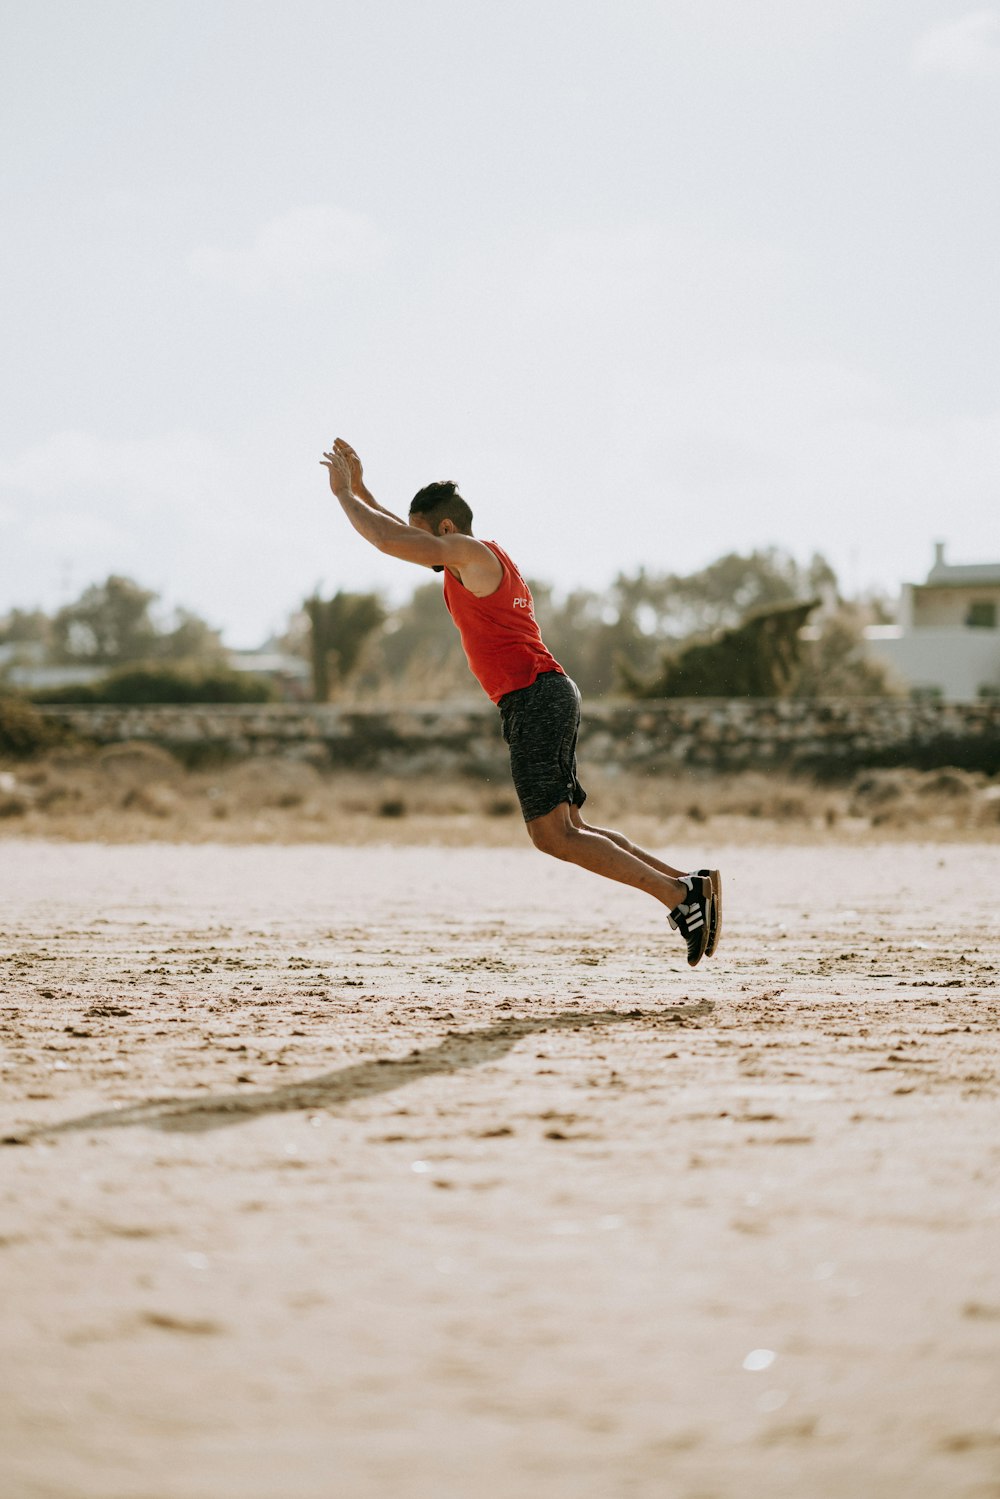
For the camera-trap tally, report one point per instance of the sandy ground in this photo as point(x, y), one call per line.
point(434, 1173)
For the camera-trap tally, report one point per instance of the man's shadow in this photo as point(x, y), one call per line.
point(458, 1050)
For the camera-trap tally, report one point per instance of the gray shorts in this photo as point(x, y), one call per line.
point(540, 724)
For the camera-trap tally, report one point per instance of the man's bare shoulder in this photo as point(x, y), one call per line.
point(478, 566)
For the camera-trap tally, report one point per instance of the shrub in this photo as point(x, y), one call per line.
point(393, 806)
point(759, 658)
point(165, 684)
point(267, 781)
point(24, 731)
point(137, 763)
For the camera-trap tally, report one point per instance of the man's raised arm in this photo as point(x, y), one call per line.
point(358, 485)
point(386, 531)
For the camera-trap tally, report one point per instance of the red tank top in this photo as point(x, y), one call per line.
point(499, 634)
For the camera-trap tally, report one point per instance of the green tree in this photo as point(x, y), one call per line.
point(835, 662)
point(111, 624)
point(758, 658)
point(190, 638)
point(339, 629)
point(108, 624)
point(420, 651)
point(25, 627)
point(679, 606)
point(588, 632)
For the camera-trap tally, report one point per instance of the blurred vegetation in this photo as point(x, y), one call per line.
point(164, 684)
point(619, 640)
point(339, 628)
point(760, 658)
point(111, 623)
point(24, 731)
point(26, 627)
point(732, 627)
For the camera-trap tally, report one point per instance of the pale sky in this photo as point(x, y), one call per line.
point(652, 281)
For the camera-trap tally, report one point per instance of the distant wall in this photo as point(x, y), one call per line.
point(948, 606)
point(957, 663)
point(822, 737)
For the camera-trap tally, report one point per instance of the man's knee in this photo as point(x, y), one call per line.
point(551, 837)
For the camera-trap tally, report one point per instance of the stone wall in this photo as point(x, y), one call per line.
point(825, 738)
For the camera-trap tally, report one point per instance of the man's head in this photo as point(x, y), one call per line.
point(440, 509)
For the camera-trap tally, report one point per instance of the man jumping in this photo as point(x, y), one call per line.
point(539, 704)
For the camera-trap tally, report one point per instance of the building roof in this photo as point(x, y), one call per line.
point(36, 678)
point(269, 663)
point(963, 575)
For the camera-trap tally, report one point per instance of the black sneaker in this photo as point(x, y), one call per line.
point(715, 925)
point(693, 917)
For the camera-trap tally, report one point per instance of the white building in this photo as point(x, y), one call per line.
point(23, 667)
point(947, 639)
point(291, 674)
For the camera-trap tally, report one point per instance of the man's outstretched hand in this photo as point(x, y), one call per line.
point(354, 464)
point(339, 470)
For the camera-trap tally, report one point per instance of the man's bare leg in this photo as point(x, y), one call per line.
point(647, 858)
point(559, 834)
point(625, 843)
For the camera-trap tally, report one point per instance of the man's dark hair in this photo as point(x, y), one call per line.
point(442, 501)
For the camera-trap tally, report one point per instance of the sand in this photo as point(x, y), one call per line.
point(434, 1173)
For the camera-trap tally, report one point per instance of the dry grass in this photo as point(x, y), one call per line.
point(137, 792)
